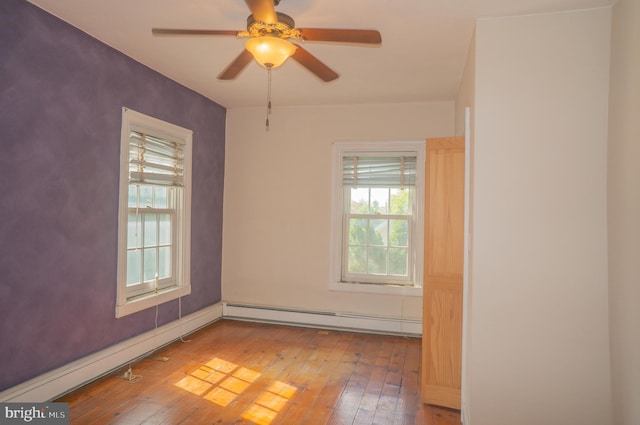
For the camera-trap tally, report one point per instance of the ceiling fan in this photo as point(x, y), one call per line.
point(268, 34)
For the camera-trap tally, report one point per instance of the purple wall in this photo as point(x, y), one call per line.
point(61, 99)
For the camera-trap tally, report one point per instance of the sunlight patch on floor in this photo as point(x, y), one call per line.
point(221, 382)
point(268, 404)
point(193, 385)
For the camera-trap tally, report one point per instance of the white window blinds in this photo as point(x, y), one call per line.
point(155, 161)
point(379, 171)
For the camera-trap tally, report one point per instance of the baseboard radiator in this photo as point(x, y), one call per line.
point(323, 319)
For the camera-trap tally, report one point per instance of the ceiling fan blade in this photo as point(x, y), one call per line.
point(235, 67)
point(314, 65)
point(171, 32)
point(263, 11)
point(341, 35)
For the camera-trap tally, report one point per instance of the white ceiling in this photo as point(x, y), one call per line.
point(423, 52)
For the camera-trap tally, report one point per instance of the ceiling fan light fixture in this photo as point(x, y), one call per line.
point(269, 51)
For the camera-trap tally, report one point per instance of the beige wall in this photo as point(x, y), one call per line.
point(539, 338)
point(624, 212)
point(539, 335)
point(277, 205)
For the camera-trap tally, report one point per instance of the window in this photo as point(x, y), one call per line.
point(377, 225)
point(154, 213)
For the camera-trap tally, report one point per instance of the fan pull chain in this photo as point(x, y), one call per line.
point(269, 66)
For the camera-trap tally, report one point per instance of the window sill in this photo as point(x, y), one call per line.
point(146, 301)
point(372, 288)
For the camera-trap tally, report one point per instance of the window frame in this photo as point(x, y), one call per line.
point(127, 302)
point(344, 149)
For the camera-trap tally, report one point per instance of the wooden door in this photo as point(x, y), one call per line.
point(443, 271)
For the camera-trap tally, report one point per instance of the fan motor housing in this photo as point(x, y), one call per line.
point(284, 28)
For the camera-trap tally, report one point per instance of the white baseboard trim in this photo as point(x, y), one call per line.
point(340, 321)
point(464, 415)
point(72, 375)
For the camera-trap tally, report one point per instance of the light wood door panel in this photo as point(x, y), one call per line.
point(444, 257)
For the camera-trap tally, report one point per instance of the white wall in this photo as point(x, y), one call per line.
point(467, 98)
point(466, 91)
point(539, 342)
point(277, 205)
point(624, 212)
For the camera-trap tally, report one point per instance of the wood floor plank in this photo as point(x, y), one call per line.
point(313, 403)
point(234, 372)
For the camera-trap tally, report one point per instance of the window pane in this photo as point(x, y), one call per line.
point(146, 196)
point(164, 262)
point(359, 201)
point(358, 231)
point(399, 201)
point(134, 231)
point(134, 268)
point(398, 261)
point(150, 255)
point(150, 229)
point(164, 238)
point(398, 233)
point(379, 201)
point(133, 196)
point(377, 260)
point(161, 199)
point(378, 232)
point(357, 260)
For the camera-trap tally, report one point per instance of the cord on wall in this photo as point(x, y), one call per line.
point(180, 317)
point(155, 344)
point(156, 320)
point(128, 375)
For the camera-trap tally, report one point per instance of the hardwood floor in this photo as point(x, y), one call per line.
point(235, 372)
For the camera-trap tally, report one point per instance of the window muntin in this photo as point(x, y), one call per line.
point(377, 237)
point(377, 234)
point(151, 241)
point(154, 213)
